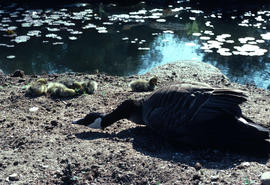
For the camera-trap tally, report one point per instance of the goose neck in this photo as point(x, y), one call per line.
point(123, 111)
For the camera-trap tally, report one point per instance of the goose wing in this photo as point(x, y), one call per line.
point(174, 106)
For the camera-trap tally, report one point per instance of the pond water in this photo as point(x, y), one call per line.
point(127, 40)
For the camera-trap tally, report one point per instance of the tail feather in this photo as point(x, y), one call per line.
point(253, 130)
point(248, 136)
point(227, 133)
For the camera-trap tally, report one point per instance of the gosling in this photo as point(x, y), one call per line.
point(37, 88)
point(143, 85)
point(56, 89)
point(72, 84)
point(89, 86)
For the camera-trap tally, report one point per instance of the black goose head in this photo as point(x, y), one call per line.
point(89, 119)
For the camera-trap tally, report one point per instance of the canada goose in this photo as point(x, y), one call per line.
point(60, 90)
point(37, 88)
point(194, 114)
point(89, 86)
point(143, 85)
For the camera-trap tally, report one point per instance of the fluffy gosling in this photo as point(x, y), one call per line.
point(89, 86)
point(72, 84)
point(37, 88)
point(143, 85)
point(60, 90)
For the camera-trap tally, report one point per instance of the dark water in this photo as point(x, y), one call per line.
point(131, 40)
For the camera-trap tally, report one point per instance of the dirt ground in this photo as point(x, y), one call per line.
point(43, 147)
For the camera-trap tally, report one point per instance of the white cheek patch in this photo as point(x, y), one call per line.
point(96, 124)
point(74, 122)
point(242, 120)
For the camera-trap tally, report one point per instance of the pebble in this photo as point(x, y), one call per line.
point(70, 136)
point(245, 164)
point(265, 178)
point(54, 123)
point(214, 177)
point(196, 177)
point(33, 109)
point(197, 166)
point(18, 73)
point(2, 121)
point(267, 164)
point(13, 177)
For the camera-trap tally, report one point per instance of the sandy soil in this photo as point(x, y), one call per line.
point(43, 147)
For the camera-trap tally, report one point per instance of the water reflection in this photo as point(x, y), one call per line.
point(168, 48)
point(132, 40)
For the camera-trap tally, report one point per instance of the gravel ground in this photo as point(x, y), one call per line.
point(43, 147)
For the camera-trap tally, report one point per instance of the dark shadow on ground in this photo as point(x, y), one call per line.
point(148, 143)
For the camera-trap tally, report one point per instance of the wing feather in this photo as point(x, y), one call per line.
point(176, 105)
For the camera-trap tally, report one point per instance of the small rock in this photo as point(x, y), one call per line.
point(265, 178)
point(268, 164)
point(70, 136)
point(246, 164)
point(54, 123)
point(44, 166)
point(68, 104)
point(13, 177)
point(1, 72)
point(47, 127)
point(2, 120)
point(62, 161)
point(18, 73)
point(33, 109)
point(196, 177)
point(214, 177)
point(197, 166)
point(243, 165)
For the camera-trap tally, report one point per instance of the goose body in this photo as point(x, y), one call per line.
point(37, 88)
point(141, 85)
point(191, 113)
